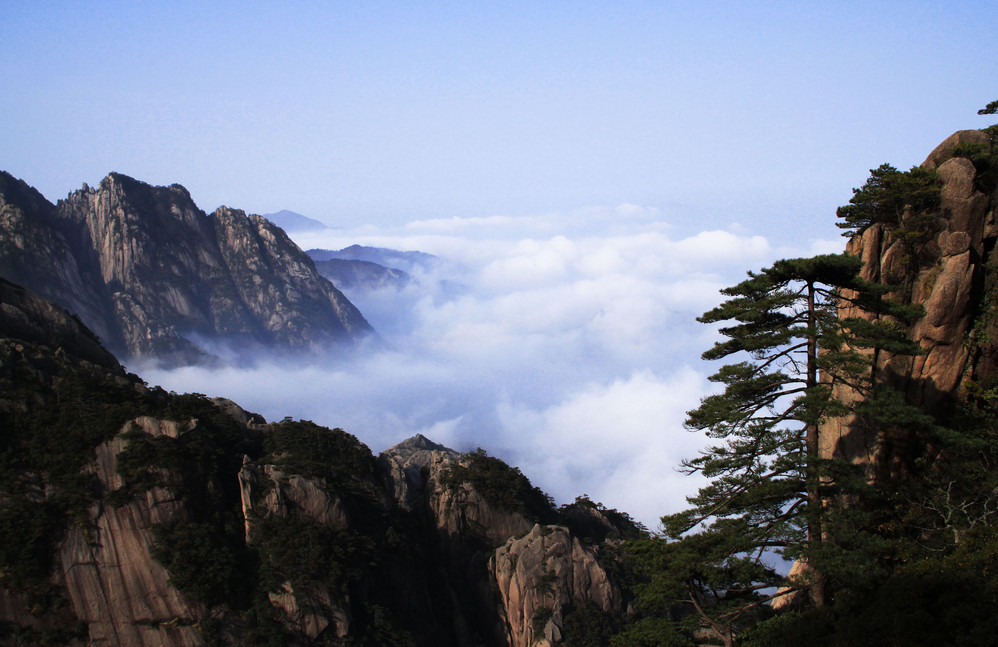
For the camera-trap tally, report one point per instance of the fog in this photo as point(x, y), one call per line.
point(565, 344)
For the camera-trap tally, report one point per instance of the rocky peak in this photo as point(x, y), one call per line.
point(27, 317)
point(544, 574)
point(17, 192)
point(154, 275)
point(952, 282)
point(411, 447)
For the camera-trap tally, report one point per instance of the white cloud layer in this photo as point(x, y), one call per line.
point(569, 348)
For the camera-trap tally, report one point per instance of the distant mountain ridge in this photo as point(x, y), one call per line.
point(360, 268)
point(361, 275)
point(157, 278)
point(291, 222)
point(408, 261)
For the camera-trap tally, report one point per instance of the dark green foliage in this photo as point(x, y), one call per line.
point(49, 429)
point(296, 549)
point(925, 601)
point(305, 448)
point(263, 624)
point(594, 523)
point(540, 619)
point(767, 480)
point(27, 530)
point(651, 632)
point(772, 401)
point(588, 626)
point(660, 617)
point(380, 628)
point(900, 200)
point(203, 562)
point(990, 109)
point(906, 203)
point(502, 486)
point(48, 432)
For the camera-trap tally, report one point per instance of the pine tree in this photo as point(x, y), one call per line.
point(767, 482)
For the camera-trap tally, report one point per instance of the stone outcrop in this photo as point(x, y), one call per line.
point(157, 278)
point(540, 576)
point(115, 586)
point(952, 283)
point(191, 520)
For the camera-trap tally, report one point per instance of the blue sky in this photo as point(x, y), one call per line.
point(380, 112)
point(593, 172)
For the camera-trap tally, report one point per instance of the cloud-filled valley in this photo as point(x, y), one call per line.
point(565, 344)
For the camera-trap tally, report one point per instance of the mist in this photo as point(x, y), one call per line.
point(565, 344)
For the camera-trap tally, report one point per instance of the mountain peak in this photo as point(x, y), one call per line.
point(417, 443)
point(294, 222)
point(155, 277)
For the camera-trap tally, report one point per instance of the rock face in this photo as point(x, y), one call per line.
point(136, 517)
point(115, 586)
point(156, 278)
point(954, 283)
point(543, 574)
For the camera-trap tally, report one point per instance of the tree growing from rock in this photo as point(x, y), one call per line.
point(767, 479)
point(904, 203)
point(990, 109)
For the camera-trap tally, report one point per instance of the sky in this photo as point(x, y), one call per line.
point(592, 173)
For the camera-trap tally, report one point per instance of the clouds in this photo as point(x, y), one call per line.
point(568, 348)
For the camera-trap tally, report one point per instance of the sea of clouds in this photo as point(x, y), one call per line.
point(565, 344)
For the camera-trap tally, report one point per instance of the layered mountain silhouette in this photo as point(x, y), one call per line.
point(292, 222)
point(155, 277)
point(136, 517)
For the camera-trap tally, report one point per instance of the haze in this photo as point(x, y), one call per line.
point(594, 172)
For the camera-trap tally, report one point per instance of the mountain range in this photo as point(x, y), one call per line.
point(134, 516)
point(158, 279)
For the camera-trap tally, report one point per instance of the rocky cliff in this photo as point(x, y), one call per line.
point(953, 277)
point(157, 278)
point(132, 516)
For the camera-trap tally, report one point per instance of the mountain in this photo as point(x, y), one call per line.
point(358, 268)
point(133, 517)
point(293, 222)
point(954, 279)
point(361, 275)
point(156, 278)
point(409, 262)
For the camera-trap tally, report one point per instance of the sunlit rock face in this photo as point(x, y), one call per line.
point(543, 574)
point(157, 278)
point(953, 282)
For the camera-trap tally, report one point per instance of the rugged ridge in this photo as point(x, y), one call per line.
point(133, 516)
point(157, 278)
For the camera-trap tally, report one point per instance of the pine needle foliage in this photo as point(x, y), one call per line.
point(767, 482)
point(900, 200)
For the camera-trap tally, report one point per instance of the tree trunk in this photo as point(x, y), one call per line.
point(812, 454)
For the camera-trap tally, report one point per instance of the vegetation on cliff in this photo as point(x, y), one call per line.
point(907, 550)
point(293, 533)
